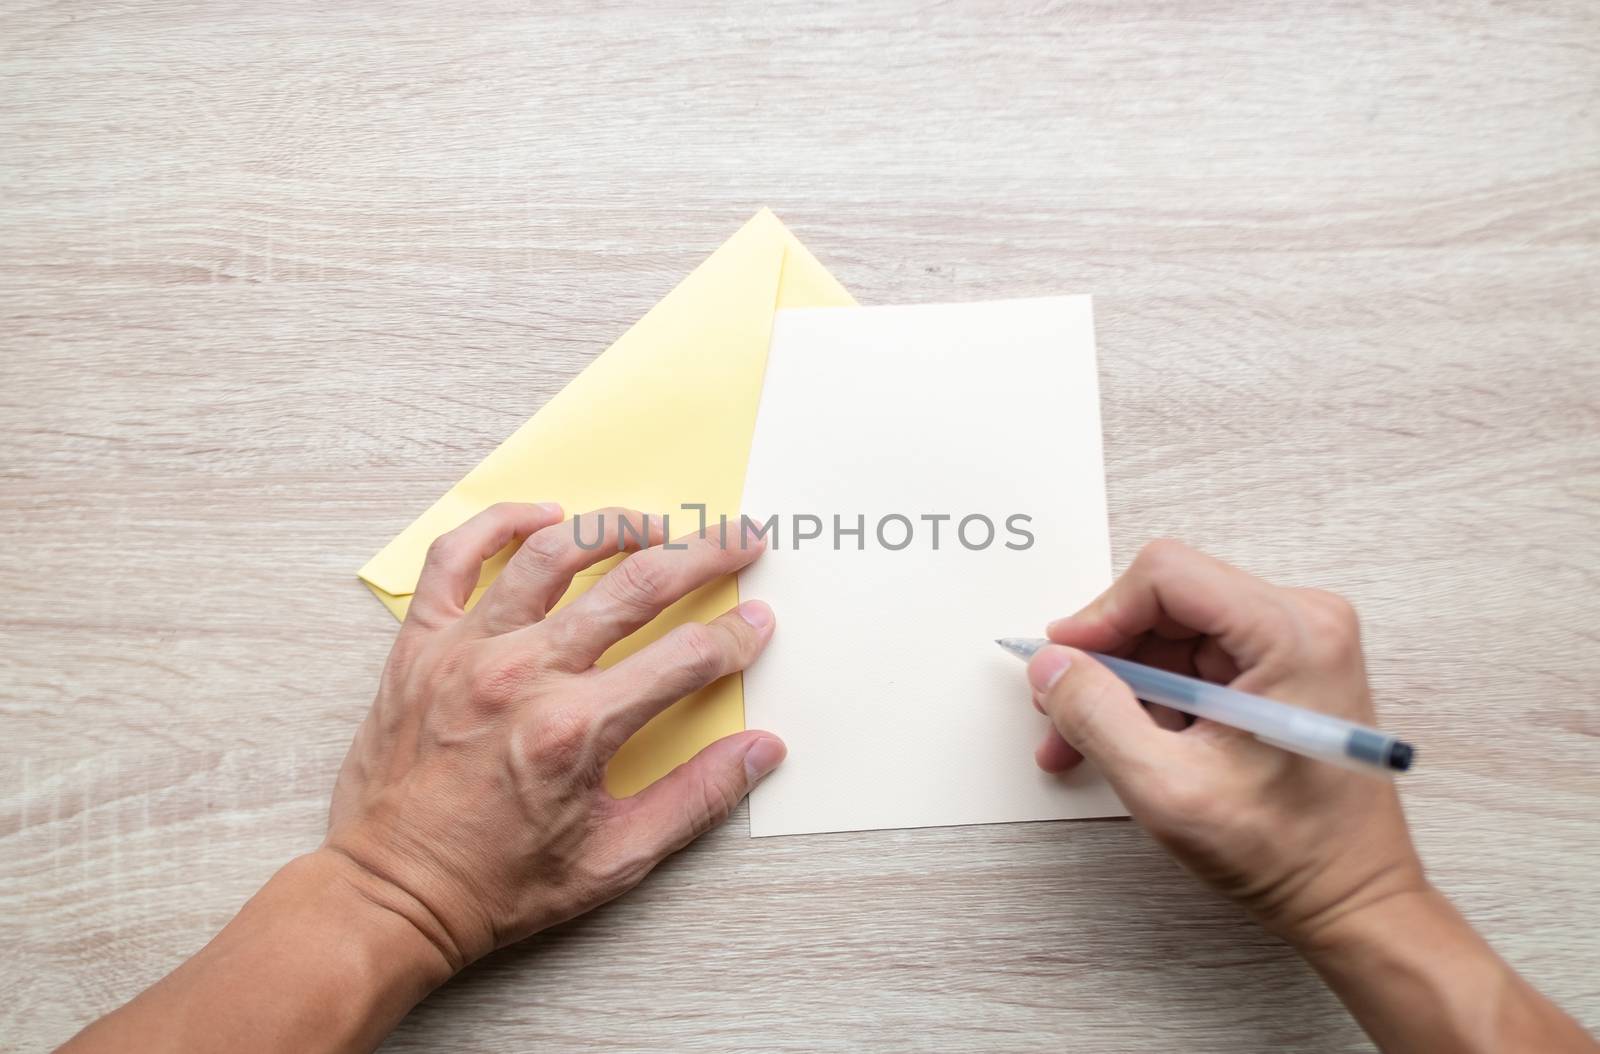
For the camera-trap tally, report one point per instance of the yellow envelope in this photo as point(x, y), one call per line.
point(662, 418)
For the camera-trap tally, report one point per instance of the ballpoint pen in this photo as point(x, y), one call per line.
point(1288, 727)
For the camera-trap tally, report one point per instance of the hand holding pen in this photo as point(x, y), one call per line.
point(1269, 817)
point(1317, 854)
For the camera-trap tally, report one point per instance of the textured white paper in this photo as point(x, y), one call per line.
point(883, 677)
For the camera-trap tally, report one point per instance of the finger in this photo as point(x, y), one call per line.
point(638, 589)
point(685, 660)
point(455, 559)
point(1166, 717)
point(1170, 585)
point(1213, 664)
point(1056, 754)
point(1095, 712)
point(1165, 653)
point(542, 570)
point(697, 795)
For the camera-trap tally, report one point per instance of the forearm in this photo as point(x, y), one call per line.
point(319, 960)
point(1418, 978)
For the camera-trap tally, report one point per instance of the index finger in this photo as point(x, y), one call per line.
point(543, 568)
point(456, 558)
point(1177, 592)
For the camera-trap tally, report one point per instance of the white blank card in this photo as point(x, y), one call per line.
point(936, 479)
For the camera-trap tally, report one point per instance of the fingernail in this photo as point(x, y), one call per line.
point(550, 508)
point(756, 613)
point(1047, 667)
point(1058, 624)
point(762, 757)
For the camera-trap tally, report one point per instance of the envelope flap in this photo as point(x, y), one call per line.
point(660, 419)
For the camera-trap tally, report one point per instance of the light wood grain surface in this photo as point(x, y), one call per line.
point(275, 274)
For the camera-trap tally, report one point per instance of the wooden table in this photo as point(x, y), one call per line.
point(275, 275)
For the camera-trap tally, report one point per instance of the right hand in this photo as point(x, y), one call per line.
point(1299, 843)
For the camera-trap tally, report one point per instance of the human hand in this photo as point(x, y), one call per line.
point(471, 799)
point(1299, 843)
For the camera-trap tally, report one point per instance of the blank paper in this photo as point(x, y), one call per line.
point(883, 677)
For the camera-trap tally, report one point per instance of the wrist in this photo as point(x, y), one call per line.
point(1375, 911)
point(318, 960)
point(390, 937)
point(1376, 928)
point(1416, 975)
point(337, 949)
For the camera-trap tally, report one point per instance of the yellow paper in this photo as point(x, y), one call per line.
point(661, 419)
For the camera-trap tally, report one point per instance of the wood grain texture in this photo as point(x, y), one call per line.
point(276, 274)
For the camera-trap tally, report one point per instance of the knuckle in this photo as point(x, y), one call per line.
point(546, 548)
point(622, 870)
point(1163, 553)
point(562, 735)
point(594, 881)
point(717, 547)
point(712, 806)
point(700, 652)
point(637, 583)
point(1335, 611)
point(1332, 627)
point(1078, 698)
point(498, 683)
point(620, 527)
point(562, 639)
point(442, 550)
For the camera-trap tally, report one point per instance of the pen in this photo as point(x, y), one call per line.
point(1288, 727)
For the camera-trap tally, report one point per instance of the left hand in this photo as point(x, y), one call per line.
point(471, 799)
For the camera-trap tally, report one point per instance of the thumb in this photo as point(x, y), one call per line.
point(1093, 710)
point(699, 794)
